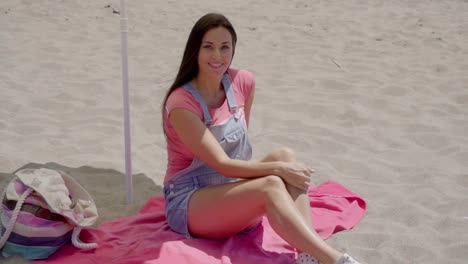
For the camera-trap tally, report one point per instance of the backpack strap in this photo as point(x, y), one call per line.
point(78, 243)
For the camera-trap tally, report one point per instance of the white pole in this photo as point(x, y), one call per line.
point(126, 104)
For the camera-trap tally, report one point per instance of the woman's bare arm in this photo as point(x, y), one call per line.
point(204, 145)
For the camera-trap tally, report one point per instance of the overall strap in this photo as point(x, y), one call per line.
point(229, 93)
point(206, 114)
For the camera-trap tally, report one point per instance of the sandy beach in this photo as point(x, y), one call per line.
point(371, 94)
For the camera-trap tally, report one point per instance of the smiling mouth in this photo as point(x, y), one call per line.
point(216, 65)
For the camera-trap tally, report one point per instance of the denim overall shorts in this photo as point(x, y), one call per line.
point(231, 135)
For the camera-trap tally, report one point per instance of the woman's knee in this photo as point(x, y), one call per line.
point(283, 154)
point(272, 184)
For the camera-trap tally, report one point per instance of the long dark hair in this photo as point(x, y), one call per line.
point(189, 65)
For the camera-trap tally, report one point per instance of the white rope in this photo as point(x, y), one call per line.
point(1, 203)
point(77, 242)
point(13, 218)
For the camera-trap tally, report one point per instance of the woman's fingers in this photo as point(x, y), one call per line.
point(298, 181)
point(306, 170)
point(298, 175)
point(301, 185)
point(305, 183)
point(309, 171)
point(305, 186)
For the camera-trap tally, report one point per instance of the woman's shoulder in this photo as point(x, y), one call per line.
point(243, 82)
point(180, 93)
point(182, 98)
point(240, 74)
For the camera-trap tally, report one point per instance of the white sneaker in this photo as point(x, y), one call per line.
point(304, 258)
point(347, 259)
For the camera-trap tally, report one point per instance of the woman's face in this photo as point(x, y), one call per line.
point(215, 53)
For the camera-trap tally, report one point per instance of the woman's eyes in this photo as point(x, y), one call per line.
point(211, 47)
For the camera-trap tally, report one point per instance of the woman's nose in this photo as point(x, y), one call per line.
point(216, 53)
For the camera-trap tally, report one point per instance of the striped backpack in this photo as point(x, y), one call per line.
point(42, 210)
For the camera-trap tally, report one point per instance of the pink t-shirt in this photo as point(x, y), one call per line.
point(179, 156)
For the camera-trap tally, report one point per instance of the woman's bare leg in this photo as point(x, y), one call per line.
point(242, 204)
point(300, 197)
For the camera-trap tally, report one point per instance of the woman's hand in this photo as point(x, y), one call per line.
point(295, 174)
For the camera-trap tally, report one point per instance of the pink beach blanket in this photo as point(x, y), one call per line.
point(146, 237)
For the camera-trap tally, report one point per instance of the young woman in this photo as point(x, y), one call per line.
point(210, 175)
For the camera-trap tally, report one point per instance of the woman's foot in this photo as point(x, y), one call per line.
point(346, 259)
point(304, 258)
